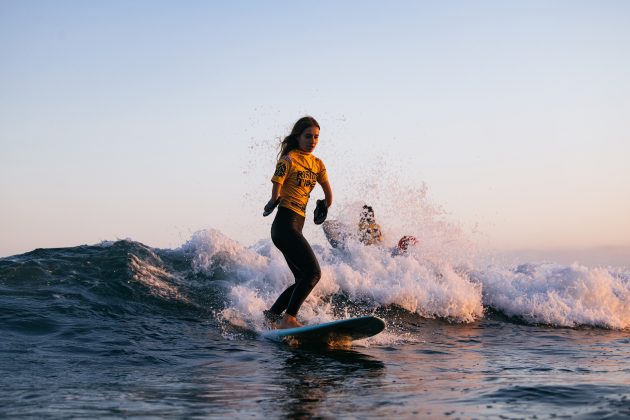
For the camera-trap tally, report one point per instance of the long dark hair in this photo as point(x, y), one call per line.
point(290, 142)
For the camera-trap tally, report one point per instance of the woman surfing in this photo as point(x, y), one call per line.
point(297, 172)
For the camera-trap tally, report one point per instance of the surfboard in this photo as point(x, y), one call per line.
point(341, 331)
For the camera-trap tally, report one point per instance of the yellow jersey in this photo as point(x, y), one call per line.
point(370, 233)
point(298, 172)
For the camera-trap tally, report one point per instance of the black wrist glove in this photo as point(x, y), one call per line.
point(269, 207)
point(320, 213)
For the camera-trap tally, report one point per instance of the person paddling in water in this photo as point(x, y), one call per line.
point(297, 173)
point(368, 232)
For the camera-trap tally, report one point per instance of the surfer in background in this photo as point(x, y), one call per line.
point(368, 232)
point(297, 172)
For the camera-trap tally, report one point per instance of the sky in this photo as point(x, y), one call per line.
point(151, 120)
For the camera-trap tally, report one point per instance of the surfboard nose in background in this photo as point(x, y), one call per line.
point(342, 330)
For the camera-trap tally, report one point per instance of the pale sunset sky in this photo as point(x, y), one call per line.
point(150, 120)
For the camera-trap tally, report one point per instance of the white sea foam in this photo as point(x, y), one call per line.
point(429, 288)
point(560, 295)
point(217, 255)
point(367, 275)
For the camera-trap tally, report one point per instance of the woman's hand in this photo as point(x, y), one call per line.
point(270, 206)
point(274, 200)
point(320, 213)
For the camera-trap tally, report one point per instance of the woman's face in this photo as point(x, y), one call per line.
point(308, 139)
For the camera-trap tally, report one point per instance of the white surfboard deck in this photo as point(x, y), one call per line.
point(344, 330)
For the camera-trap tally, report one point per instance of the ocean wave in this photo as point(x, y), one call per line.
point(366, 275)
point(102, 280)
point(216, 276)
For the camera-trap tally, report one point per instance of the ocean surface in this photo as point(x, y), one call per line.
point(120, 329)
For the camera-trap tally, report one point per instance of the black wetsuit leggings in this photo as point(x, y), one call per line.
point(286, 234)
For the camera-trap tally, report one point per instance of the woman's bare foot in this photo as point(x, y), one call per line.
point(288, 321)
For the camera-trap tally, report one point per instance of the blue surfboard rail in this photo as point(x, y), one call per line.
point(335, 331)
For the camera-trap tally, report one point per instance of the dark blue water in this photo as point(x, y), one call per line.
point(121, 329)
